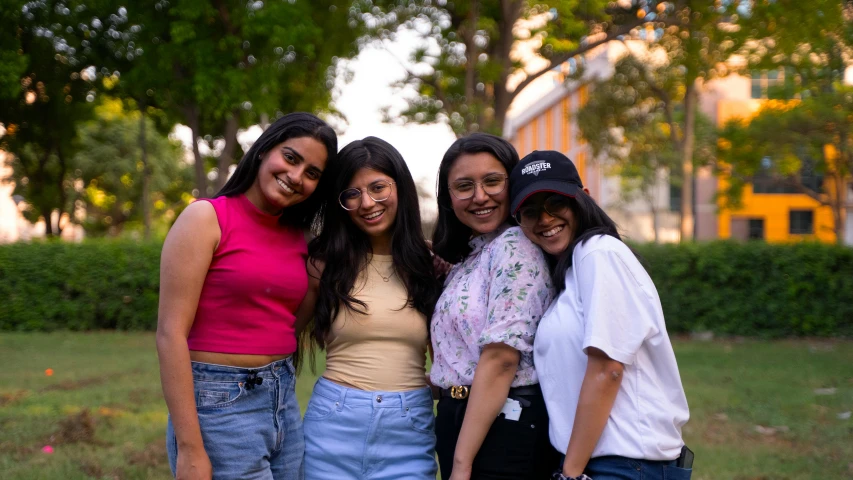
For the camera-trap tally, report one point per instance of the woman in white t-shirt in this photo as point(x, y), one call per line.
point(602, 353)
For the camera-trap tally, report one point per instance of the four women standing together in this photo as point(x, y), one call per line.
point(513, 357)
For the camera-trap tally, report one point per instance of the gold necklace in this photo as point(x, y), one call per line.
point(384, 278)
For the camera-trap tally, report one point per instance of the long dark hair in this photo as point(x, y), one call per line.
point(450, 239)
point(344, 248)
point(292, 125)
point(589, 220)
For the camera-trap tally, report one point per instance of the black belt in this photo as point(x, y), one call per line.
point(462, 392)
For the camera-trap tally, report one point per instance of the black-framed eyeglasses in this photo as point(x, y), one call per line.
point(492, 184)
point(528, 215)
point(350, 199)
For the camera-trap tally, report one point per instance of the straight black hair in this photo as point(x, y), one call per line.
point(450, 239)
point(590, 220)
point(292, 125)
point(344, 248)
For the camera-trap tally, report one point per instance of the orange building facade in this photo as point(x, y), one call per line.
point(766, 212)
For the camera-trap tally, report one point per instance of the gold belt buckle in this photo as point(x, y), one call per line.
point(459, 393)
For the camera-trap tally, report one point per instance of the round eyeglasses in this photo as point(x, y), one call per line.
point(350, 199)
point(492, 184)
point(528, 215)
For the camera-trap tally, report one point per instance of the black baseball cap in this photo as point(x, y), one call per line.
point(543, 171)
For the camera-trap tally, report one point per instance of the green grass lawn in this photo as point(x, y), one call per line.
point(759, 410)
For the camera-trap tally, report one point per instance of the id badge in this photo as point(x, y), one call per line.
point(511, 410)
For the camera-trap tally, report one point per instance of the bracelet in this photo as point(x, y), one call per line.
point(558, 475)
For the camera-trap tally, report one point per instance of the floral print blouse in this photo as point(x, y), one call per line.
point(497, 294)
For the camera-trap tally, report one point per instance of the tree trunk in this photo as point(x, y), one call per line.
point(687, 144)
point(63, 198)
point(468, 34)
point(655, 219)
point(511, 12)
point(48, 222)
point(838, 202)
point(194, 122)
point(146, 176)
point(226, 156)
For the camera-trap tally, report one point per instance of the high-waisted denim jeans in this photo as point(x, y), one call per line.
point(359, 435)
point(251, 430)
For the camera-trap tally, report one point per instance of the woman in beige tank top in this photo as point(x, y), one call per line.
point(371, 413)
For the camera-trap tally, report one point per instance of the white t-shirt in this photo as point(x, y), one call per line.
point(611, 304)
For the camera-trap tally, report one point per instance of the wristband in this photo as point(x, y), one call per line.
point(558, 475)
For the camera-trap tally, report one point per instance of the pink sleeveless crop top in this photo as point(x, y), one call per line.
point(255, 283)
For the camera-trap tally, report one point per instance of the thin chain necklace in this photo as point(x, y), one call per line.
point(384, 278)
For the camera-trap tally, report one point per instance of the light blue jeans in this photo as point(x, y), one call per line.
point(359, 435)
point(251, 430)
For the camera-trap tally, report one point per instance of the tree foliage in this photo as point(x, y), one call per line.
point(108, 171)
point(803, 140)
point(215, 65)
point(466, 70)
point(637, 134)
point(806, 146)
point(662, 81)
point(47, 89)
point(219, 65)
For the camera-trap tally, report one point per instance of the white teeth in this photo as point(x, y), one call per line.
point(484, 211)
point(553, 231)
point(373, 215)
point(284, 186)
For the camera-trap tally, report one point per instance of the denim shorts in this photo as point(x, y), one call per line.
point(355, 434)
point(250, 431)
point(613, 467)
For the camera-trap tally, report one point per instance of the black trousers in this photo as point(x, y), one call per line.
point(512, 450)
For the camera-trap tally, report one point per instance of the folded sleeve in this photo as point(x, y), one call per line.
point(619, 315)
point(519, 292)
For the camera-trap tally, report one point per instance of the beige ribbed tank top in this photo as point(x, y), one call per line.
point(384, 349)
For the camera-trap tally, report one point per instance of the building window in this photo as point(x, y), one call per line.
point(801, 222)
point(775, 84)
point(747, 228)
point(674, 197)
point(765, 182)
point(756, 229)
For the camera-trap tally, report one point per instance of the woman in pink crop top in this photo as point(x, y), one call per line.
point(370, 415)
point(232, 277)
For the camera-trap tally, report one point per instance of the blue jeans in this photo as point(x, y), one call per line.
point(355, 434)
point(622, 468)
point(250, 431)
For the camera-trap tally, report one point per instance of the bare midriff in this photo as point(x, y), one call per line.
point(234, 359)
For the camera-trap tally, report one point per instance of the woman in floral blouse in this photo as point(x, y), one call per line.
point(492, 422)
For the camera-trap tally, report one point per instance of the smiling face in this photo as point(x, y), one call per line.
point(483, 213)
point(375, 218)
point(554, 231)
point(288, 174)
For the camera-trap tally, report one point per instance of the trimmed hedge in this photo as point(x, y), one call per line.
point(755, 288)
point(93, 285)
point(752, 289)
